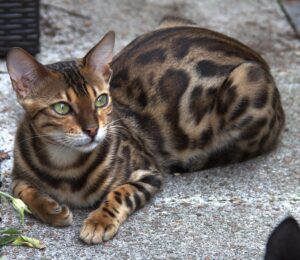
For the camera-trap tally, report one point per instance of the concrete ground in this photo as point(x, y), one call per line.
point(221, 213)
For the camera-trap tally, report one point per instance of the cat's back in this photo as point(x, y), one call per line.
point(170, 60)
point(181, 43)
point(189, 93)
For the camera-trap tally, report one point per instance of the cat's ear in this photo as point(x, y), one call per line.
point(25, 72)
point(98, 59)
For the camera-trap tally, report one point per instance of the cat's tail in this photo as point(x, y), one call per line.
point(170, 21)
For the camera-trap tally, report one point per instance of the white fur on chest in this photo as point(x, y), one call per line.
point(62, 156)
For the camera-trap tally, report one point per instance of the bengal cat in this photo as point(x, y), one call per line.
point(101, 132)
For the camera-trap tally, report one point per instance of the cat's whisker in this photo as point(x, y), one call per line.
point(113, 122)
point(42, 149)
point(59, 148)
point(105, 140)
point(38, 136)
point(113, 127)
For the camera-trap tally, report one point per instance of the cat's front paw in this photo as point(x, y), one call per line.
point(51, 212)
point(97, 229)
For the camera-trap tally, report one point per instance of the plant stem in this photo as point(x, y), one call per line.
point(6, 195)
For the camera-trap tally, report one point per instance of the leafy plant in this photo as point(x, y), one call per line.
point(18, 204)
point(14, 236)
point(27, 241)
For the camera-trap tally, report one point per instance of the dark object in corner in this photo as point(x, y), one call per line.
point(19, 25)
point(291, 9)
point(284, 242)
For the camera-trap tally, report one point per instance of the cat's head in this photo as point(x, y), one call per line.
point(66, 102)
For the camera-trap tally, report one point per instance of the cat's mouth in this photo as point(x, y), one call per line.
point(86, 146)
point(82, 143)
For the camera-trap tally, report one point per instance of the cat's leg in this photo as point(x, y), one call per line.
point(42, 206)
point(103, 223)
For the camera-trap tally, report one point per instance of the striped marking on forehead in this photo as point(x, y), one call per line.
point(72, 76)
point(92, 92)
point(81, 101)
point(71, 95)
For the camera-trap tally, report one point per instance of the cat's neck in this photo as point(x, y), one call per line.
point(62, 156)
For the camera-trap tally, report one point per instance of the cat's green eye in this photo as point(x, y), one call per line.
point(62, 108)
point(101, 101)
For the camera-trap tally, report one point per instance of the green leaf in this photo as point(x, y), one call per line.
point(20, 206)
point(10, 231)
point(7, 239)
point(30, 242)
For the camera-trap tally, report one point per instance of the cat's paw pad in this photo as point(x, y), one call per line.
point(51, 212)
point(95, 231)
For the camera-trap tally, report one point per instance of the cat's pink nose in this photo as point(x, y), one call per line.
point(91, 131)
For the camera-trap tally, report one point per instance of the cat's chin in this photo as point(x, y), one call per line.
point(87, 147)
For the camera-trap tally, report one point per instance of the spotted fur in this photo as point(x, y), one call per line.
point(181, 99)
